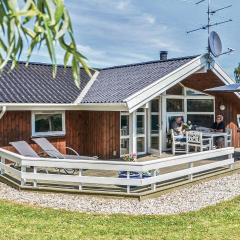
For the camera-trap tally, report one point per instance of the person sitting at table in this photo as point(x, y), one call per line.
point(177, 127)
point(219, 126)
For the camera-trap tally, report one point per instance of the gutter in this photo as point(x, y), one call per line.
point(4, 109)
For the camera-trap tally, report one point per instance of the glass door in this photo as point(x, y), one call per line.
point(141, 131)
point(154, 127)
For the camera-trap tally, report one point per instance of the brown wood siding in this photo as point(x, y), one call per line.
point(90, 133)
point(203, 81)
point(94, 133)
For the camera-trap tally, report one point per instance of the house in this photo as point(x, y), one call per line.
point(122, 109)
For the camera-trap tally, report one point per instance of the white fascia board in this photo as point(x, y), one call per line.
point(64, 107)
point(86, 89)
point(155, 89)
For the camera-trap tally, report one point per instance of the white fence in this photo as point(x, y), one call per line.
point(37, 172)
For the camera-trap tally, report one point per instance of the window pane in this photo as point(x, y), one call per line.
point(175, 105)
point(140, 110)
point(155, 105)
point(201, 120)
point(200, 105)
point(155, 142)
point(154, 124)
point(140, 144)
point(124, 125)
point(191, 92)
point(124, 146)
point(175, 90)
point(140, 124)
point(48, 122)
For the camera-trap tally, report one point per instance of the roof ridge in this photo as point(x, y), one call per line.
point(150, 62)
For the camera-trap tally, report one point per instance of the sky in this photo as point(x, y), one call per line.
point(116, 32)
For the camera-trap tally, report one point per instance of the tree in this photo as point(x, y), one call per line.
point(32, 23)
point(237, 73)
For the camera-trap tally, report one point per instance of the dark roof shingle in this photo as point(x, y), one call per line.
point(35, 84)
point(115, 84)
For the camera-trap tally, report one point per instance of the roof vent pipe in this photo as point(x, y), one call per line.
point(163, 55)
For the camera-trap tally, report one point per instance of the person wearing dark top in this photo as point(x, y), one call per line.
point(219, 126)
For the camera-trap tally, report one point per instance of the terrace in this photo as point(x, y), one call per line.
point(139, 179)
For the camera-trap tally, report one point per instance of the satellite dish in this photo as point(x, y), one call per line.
point(215, 44)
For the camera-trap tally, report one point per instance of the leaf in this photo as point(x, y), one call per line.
point(59, 10)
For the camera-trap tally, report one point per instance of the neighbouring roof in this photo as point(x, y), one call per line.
point(35, 84)
point(115, 84)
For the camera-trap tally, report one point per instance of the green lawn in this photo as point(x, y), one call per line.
point(23, 222)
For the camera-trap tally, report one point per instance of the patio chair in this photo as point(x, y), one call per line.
point(48, 148)
point(229, 137)
point(195, 139)
point(178, 145)
point(25, 150)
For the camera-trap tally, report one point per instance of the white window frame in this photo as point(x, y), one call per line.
point(184, 97)
point(238, 120)
point(50, 133)
point(124, 136)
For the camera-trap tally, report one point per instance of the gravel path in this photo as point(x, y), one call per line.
point(182, 200)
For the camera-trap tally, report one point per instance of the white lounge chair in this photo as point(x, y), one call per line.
point(48, 148)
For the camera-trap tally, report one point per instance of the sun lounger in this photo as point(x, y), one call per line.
point(48, 148)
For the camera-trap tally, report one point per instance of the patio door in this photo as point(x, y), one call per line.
point(154, 127)
point(141, 131)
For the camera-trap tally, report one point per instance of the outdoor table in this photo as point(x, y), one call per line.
point(213, 135)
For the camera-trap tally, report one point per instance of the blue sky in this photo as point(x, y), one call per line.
point(113, 32)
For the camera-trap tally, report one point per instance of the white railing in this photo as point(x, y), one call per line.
point(36, 171)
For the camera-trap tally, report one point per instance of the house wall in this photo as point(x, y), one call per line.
point(88, 132)
point(203, 81)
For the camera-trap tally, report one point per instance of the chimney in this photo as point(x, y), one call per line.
point(163, 55)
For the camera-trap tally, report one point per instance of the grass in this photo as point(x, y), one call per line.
point(24, 222)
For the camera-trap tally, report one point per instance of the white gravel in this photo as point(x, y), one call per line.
point(186, 199)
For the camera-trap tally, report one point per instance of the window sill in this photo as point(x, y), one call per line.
point(48, 135)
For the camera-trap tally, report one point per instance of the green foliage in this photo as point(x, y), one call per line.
point(38, 22)
point(237, 73)
point(24, 222)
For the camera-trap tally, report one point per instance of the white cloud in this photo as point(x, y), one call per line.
point(123, 5)
point(150, 19)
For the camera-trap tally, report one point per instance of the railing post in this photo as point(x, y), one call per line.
point(128, 186)
point(190, 166)
point(2, 168)
point(154, 174)
point(35, 172)
point(23, 181)
point(231, 165)
point(80, 184)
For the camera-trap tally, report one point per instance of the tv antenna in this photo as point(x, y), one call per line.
point(214, 42)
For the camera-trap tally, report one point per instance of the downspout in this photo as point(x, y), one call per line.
point(4, 109)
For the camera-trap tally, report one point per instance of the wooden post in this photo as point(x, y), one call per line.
point(23, 181)
point(154, 174)
point(190, 176)
point(80, 184)
point(2, 168)
point(231, 165)
point(35, 172)
point(128, 186)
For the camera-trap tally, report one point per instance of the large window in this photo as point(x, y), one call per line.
point(154, 125)
point(48, 124)
point(192, 105)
